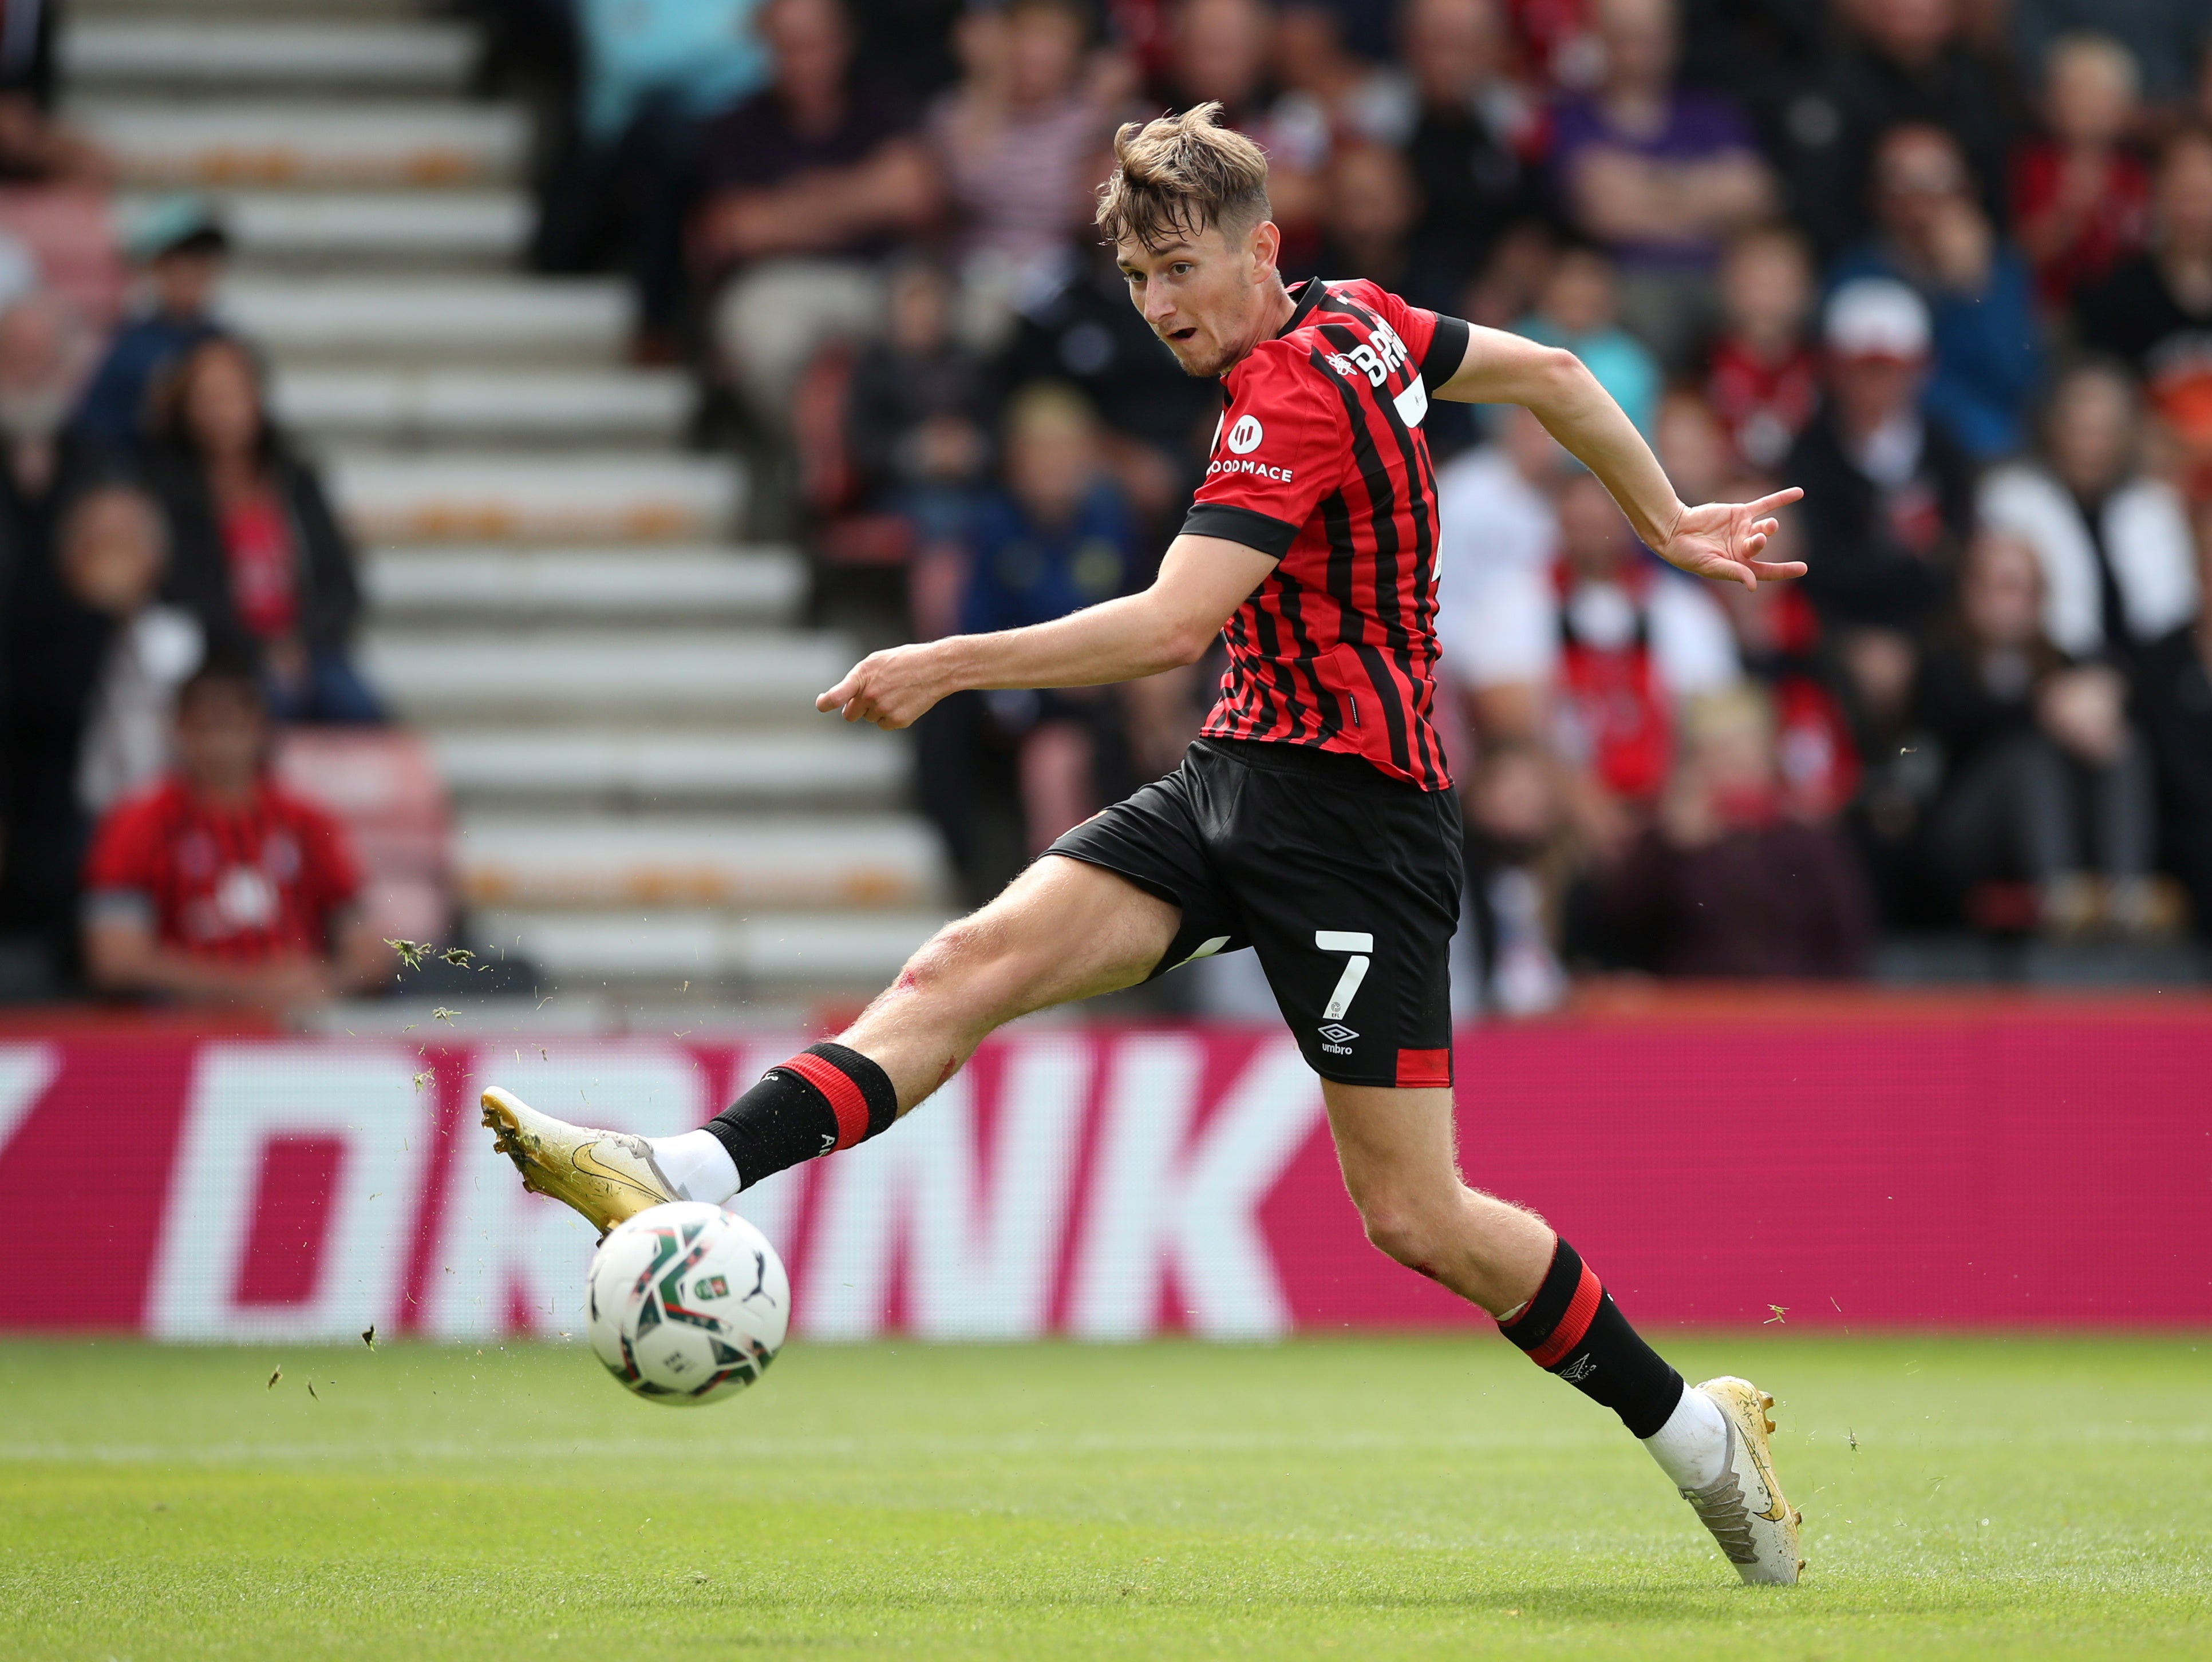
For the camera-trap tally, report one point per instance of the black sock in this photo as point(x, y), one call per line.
point(1571, 1328)
point(825, 1098)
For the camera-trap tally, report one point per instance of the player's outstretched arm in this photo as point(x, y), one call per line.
point(1202, 581)
point(1719, 540)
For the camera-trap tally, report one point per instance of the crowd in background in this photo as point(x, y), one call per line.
point(1945, 263)
point(174, 585)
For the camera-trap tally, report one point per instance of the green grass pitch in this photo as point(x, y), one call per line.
point(1377, 1499)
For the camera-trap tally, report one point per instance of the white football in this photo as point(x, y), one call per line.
point(686, 1303)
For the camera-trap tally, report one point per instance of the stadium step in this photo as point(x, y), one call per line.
point(357, 227)
point(544, 860)
point(296, 141)
point(597, 675)
point(537, 498)
point(585, 585)
point(431, 318)
point(660, 767)
point(283, 54)
point(416, 405)
point(785, 950)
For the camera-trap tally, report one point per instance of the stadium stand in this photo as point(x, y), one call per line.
point(611, 691)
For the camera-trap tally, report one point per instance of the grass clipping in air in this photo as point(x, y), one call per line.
point(1373, 1500)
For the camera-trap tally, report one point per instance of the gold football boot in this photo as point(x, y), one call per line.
point(1743, 1507)
point(606, 1175)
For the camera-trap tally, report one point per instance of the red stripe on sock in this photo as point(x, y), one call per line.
point(1573, 1325)
point(845, 1099)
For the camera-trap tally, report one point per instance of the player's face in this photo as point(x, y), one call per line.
point(1206, 295)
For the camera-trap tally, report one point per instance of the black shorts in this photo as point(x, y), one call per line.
point(1346, 881)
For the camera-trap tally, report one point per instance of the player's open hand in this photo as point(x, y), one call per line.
point(891, 689)
point(1723, 540)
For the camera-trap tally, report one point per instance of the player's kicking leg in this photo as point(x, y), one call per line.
point(1061, 931)
point(1395, 1147)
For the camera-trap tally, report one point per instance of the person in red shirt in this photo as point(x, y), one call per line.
point(1762, 376)
point(216, 887)
point(2081, 197)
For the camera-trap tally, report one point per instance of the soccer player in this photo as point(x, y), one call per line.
point(1314, 820)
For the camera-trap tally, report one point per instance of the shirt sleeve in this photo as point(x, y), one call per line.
point(1437, 344)
point(1280, 448)
point(125, 855)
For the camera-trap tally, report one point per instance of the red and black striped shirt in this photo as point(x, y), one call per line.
point(1321, 463)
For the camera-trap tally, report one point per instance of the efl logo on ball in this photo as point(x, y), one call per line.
point(1244, 437)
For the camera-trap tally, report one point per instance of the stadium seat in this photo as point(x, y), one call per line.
point(297, 143)
point(383, 785)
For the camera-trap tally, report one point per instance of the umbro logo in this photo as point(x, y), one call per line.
point(1336, 1032)
point(1583, 1368)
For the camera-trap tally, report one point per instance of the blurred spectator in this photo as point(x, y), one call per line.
point(917, 427)
point(1933, 234)
point(1889, 497)
point(806, 185)
point(1578, 308)
point(45, 351)
point(1726, 883)
point(1017, 140)
point(92, 659)
point(908, 45)
point(2174, 686)
point(1221, 50)
point(1658, 176)
point(2044, 782)
point(1624, 641)
point(1778, 640)
point(1368, 223)
point(1079, 328)
point(34, 144)
point(1327, 89)
point(1762, 377)
point(179, 246)
point(2081, 197)
point(1516, 871)
point(113, 553)
point(1060, 538)
point(2118, 566)
point(652, 70)
point(1498, 535)
point(1904, 62)
point(1476, 137)
point(216, 887)
point(255, 549)
point(2155, 310)
point(2165, 38)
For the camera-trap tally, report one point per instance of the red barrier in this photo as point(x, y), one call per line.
point(1872, 1164)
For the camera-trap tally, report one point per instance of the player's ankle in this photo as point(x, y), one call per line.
point(697, 1165)
point(1692, 1447)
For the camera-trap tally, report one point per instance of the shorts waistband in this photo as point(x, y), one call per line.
point(1308, 762)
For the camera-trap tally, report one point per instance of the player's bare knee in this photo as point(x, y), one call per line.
point(1404, 1231)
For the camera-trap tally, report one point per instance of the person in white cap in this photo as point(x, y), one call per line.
point(1896, 494)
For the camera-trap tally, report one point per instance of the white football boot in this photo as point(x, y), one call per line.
point(1743, 1507)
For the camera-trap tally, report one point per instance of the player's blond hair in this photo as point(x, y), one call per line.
point(1175, 176)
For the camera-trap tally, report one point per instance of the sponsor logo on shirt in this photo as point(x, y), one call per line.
point(1244, 437)
point(1234, 466)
